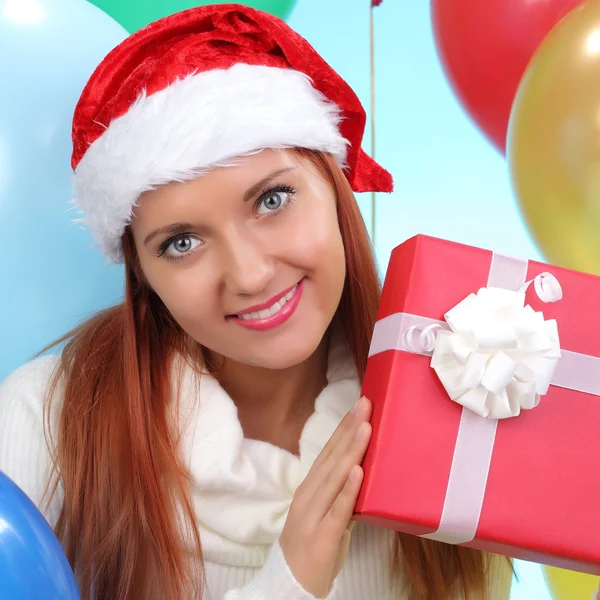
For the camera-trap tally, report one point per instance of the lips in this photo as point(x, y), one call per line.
point(270, 310)
point(273, 313)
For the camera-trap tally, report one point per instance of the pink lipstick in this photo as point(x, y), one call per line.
point(272, 313)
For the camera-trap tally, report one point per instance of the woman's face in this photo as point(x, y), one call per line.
point(248, 258)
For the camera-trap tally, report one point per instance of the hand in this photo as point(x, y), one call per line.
point(316, 536)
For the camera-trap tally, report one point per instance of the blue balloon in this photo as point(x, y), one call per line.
point(48, 50)
point(32, 563)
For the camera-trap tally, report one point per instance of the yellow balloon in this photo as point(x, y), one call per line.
point(568, 585)
point(554, 142)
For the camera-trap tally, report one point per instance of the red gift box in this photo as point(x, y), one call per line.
point(527, 486)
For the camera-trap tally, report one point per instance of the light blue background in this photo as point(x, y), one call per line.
point(49, 278)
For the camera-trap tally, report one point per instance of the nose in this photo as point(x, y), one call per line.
point(248, 264)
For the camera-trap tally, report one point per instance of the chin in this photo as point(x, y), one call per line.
point(281, 361)
point(286, 353)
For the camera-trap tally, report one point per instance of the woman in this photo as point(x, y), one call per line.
point(201, 440)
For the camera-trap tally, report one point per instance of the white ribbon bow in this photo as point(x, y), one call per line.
point(499, 355)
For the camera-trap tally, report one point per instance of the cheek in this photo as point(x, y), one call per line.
point(329, 271)
point(185, 295)
point(318, 247)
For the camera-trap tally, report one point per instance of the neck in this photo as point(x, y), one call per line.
point(273, 405)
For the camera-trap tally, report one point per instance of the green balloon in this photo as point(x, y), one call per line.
point(135, 14)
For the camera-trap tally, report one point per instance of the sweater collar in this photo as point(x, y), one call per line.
point(242, 488)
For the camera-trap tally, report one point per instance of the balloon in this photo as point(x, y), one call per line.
point(568, 585)
point(554, 142)
point(32, 563)
point(135, 14)
point(48, 50)
point(485, 46)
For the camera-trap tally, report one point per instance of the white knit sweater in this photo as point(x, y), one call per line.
point(242, 488)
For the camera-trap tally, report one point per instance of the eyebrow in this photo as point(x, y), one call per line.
point(176, 228)
point(172, 229)
point(259, 185)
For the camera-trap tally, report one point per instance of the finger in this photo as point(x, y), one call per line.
point(349, 451)
point(345, 430)
point(333, 475)
point(340, 515)
point(350, 422)
point(312, 493)
point(338, 447)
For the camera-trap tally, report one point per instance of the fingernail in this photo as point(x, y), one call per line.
point(360, 431)
point(354, 474)
point(358, 406)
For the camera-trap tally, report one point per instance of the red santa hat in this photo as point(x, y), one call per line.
point(196, 89)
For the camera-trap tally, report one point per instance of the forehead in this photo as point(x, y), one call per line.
point(174, 200)
point(236, 175)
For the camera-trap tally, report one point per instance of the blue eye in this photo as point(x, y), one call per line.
point(275, 199)
point(179, 246)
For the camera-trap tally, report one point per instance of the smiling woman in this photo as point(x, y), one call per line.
point(203, 439)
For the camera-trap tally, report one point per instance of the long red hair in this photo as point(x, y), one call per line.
point(126, 491)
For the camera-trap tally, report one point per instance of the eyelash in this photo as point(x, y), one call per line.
point(281, 188)
point(286, 189)
point(162, 250)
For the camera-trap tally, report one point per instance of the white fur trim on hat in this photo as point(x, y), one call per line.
point(197, 123)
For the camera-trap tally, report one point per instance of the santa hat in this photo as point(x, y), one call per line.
point(196, 89)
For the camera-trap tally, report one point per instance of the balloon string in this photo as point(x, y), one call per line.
point(372, 43)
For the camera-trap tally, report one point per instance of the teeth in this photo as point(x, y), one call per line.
point(269, 312)
point(275, 308)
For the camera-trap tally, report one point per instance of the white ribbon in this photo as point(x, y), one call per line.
point(425, 343)
point(499, 355)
